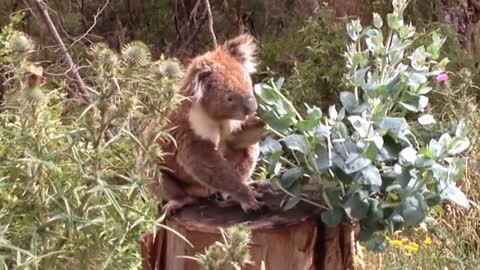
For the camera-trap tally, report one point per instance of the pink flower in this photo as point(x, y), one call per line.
point(443, 77)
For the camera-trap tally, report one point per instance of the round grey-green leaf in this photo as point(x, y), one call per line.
point(295, 142)
point(332, 217)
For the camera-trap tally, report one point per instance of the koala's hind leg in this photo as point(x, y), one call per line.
point(169, 192)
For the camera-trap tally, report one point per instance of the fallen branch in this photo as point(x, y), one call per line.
point(72, 69)
point(210, 23)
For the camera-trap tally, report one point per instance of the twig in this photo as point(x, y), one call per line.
point(193, 13)
point(187, 43)
point(72, 67)
point(210, 23)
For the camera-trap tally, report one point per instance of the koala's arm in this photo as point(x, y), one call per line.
point(243, 160)
point(203, 162)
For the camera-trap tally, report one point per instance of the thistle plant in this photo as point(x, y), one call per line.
point(232, 254)
point(365, 163)
point(71, 176)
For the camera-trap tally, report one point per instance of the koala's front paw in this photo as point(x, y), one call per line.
point(253, 204)
point(174, 205)
point(261, 186)
point(253, 122)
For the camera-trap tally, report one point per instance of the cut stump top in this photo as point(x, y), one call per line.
point(207, 216)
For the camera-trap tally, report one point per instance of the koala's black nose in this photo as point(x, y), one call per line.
point(250, 105)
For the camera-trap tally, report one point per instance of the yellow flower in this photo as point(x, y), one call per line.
point(413, 247)
point(396, 243)
point(427, 241)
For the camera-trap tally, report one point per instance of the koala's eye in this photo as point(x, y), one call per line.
point(230, 99)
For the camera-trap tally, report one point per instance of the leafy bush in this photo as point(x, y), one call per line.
point(365, 162)
point(311, 58)
point(71, 181)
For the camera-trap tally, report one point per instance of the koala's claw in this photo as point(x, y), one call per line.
point(257, 194)
point(252, 205)
point(261, 186)
point(174, 205)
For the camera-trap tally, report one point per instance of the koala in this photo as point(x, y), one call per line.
point(216, 132)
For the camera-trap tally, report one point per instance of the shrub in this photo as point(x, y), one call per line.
point(311, 58)
point(365, 162)
point(71, 185)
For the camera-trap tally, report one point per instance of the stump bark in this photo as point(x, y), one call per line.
point(281, 240)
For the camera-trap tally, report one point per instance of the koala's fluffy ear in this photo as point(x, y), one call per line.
point(196, 74)
point(243, 49)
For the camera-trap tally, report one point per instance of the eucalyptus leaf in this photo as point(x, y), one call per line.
point(351, 32)
point(322, 132)
point(332, 112)
point(417, 79)
point(296, 142)
point(445, 140)
point(376, 211)
point(370, 176)
point(377, 141)
point(266, 93)
point(279, 123)
point(357, 205)
point(295, 190)
point(360, 125)
point(424, 162)
point(332, 217)
point(279, 83)
point(407, 156)
point(393, 187)
point(394, 22)
point(426, 119)
point(371, 151)
point(436, 148)
point(308, 124)
point(314, 112)
point(348, 101)
point(458, 145)
point(423, 90)
point(355, 163)
point(455, 195)
point(392, 123)
point(343, 130)
point(270, 146)
point(358, 78)
point(323, 161)
point(397, 218)
point(291, 176)
point(413, 210)
point(377, 20)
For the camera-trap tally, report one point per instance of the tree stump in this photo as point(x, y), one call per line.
point(281, 240)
